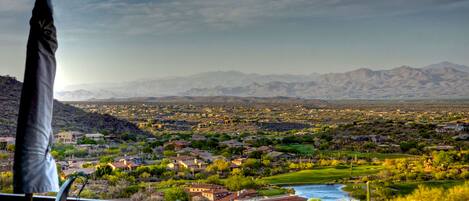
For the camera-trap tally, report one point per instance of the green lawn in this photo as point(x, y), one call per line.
point(320, 176)
point(272, 192)
point(297, 148)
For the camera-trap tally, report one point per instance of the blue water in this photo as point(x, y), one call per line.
point(324, 192)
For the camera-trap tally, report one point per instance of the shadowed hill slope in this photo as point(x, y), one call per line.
point(66, 117)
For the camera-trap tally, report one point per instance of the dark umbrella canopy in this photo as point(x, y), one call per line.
point(34, 168)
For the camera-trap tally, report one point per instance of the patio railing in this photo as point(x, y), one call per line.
point(20, 197)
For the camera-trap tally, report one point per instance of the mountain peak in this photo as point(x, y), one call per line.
point(447, 64)
point(404, 68)
point(221, 72)
point(363, 70)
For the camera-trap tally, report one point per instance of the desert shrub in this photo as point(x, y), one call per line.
point(456, 193)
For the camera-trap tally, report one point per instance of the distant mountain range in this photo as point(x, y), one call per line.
point(66, 117)
point(442, 80)
point(172, 86)
point(218, 99)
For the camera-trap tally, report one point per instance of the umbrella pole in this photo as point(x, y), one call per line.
point(29, 197)
point(34, 169)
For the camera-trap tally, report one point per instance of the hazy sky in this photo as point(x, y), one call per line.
point(118, 40)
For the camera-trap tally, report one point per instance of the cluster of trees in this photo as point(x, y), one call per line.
point(60, 152)
point(236, 181)
point(401, 175)
point(150, 194)
point(239, 182)
point(6, 182)
point(438, 165)
point(456, 193)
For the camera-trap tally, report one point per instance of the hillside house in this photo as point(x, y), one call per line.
point(241, 195)
point(68, 137)
point(95, 136)
point(5, 141)
point(205, 155)
point(232, 143)
point(452, 127)
point(187, 162)
point(197, 137)
point(123, 164)
point(238, 161)
point(178, 145)
point(215, 194)
point(208, 191)
point(276, 155)
point(202, 187)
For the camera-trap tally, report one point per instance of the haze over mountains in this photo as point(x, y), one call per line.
point(442, 80)
point(173, 86)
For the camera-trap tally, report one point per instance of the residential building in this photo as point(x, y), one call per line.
point(276, 155)
point(68, 137)
point(215, 194)
point(5, 141)
point(208, 191)
point(232, 143)
point(238, 161)
point(95, 136)
point(187, 162)
point(122, 164)
point(178, 144)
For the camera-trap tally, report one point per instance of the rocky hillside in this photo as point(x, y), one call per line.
point(66, 117)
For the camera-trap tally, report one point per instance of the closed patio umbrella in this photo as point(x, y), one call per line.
point(34, 168)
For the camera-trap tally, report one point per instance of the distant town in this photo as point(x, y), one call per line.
point(257, 151)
